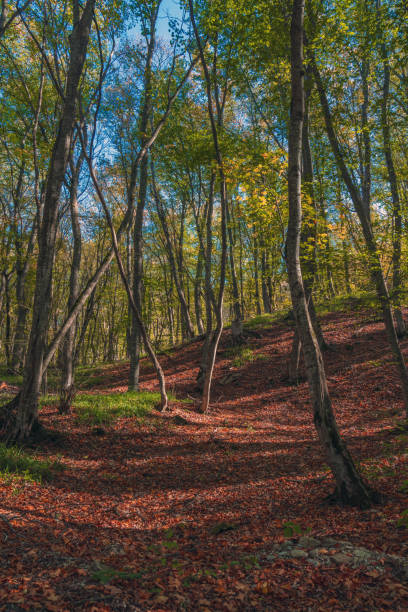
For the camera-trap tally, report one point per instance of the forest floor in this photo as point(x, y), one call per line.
point(223, 511)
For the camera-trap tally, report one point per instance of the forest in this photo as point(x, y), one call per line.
point(203, 305)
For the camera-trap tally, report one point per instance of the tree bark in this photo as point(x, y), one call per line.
point(396, 203)
point(24, 414)
point(135, 338)
point(213, 341)
point(350, 487)
point(374, 261)
point(68, 347)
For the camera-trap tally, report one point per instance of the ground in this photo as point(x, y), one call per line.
point(223, 511)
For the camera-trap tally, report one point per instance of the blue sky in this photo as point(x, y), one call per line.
point(168, 8)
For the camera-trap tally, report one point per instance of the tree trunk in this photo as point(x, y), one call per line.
point(362, 210)
point(68, 347)
point(202, 372)
point(236, 327)
point(350, 487)
point(135, 338)
point(264, 280)
point(307, 244)
point(24, 413)
point(187, 324)
point(396, 204)
point(256, 278)
point(197, 293)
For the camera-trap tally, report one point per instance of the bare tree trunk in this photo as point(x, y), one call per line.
point(146, 341)
point(350, 487)
point(264, 281)
point(6, 277)
point(236, 327)
point(307, 244)
point(216, 335)
point(23, 411)
point(187, 324)
point(396, 204)
point(256, 278)
point(361, 206)
point(68, 347)
point(202, 372)
point(197, 292)
point(135, 338)
point(22, 268)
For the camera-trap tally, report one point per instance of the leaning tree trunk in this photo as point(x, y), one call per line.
point(350, 487)
point(68, 347)
point(187, 324)
point(362, 209)
point(135, 336)
point(23, 261)
point(22, 413)
point(396, 203)
point(201, 376)
point(236, 325)
point(215, 338)
point(135, 339)
point(197, 292)
point(307, 248)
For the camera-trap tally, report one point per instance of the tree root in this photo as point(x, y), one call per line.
point(364, 502)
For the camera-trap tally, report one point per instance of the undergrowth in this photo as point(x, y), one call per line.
point(16, 462)
point(241, 355)
point(104, 409)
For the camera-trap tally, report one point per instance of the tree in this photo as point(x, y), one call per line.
point(350, 488)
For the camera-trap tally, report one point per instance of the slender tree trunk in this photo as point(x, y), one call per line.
point(202, 372)
point(20, 336)
point(256, 278)
point(361, 207)
point(264, 280)
point(187, 324)
point(6, 277)
point(396, 204)
point(236, 327)
point(308, 238)
point(135, 333)
point(197, 293)
point(146, 341)
point(135, 338)
point(23, 261)
point(23, 410)
point(68, 347)
point(350, 487)
point(213, 343)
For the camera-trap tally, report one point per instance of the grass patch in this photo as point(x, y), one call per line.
point(9, 378)
point(104, 409)
point(19, 463)
point(241, 355)
point(350, 303)
point(260, 321)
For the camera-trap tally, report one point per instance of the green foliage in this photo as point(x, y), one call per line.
point(106, 574)
point(104, 409)
point(241, 355)
point(404, 486)
point(260, 321)
point(291, 529)
point(350, 303)
point(403, 520)
point(16, 462)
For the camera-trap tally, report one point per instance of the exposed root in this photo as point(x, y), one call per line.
point(364, 501)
